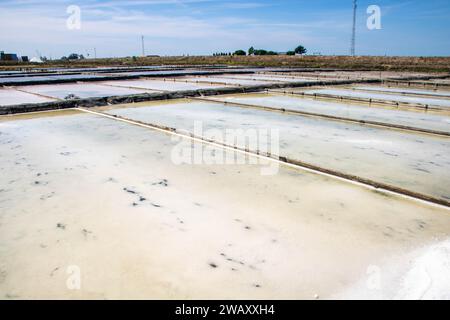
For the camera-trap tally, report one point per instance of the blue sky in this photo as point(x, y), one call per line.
point(195, 27)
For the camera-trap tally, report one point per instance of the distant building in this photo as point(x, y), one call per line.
point(24, 59)
point(8, 56)
point(36, 60)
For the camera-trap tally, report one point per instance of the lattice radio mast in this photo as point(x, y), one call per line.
point(353, 45)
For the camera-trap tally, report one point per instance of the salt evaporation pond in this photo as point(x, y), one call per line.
point(412, 161)
point(13, 97)
point(269, 78)
point(341, 109)
point(25, 79)
point(405, 90)
point(389, 97)
point(241, 82)
point(159, 73)
point(434, 81)
point(161, 85)
point(80, 90)
point(53, 78)
point(105, 199)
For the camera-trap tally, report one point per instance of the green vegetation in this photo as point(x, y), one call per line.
point(221, 54)
point(261, 52)
point(239, 53)
point(73, 56)
point(300, 50)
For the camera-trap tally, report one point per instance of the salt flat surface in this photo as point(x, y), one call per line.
point(28, 75)
point(12, 97)
point(19, 80)
point(103, 199)
point(425, 277)
point(342, 109)
point(390, 97)
point(81, 90)
point(242, 82)
point(9, 72)
point(433, 81)
point(413, 161)
point(269, 78)
point(370, 74)
point(404, 90)
point(161, 85)
point(161, 72)
point(24, 79)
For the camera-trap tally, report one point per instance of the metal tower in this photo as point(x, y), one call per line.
point(353, 45)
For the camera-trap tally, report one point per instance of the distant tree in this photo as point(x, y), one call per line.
point(262, 52)
point(251, 51)
point(290, 53)
point(73, 56)
point(300, 50)
point(239, 53)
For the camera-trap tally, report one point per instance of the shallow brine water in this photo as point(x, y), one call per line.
point(80, 90)
point(12, 97)
point(413, 161)
point(389, 97)
point(162, 85)
point(99, 210)
point(18, 80)
point(432, 81)
point(406, 90)
point(342, 109)
point(242, 82)
point(270, 78)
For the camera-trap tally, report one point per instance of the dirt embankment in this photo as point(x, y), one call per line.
point(414, 64)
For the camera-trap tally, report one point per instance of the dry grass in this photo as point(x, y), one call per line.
point(414, 64)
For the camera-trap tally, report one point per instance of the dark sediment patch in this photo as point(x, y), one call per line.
point(61, 226)
point(163, 183)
